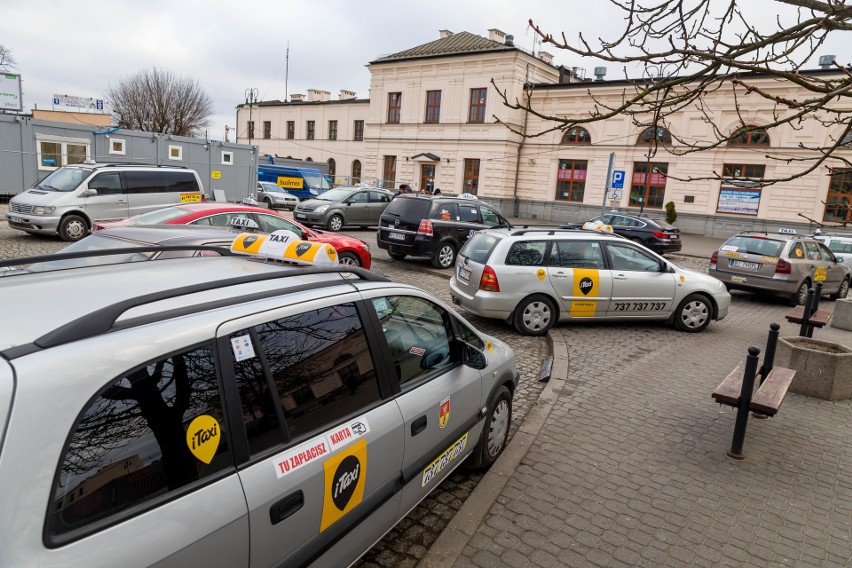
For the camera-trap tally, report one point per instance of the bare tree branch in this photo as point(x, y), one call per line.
point(7, 59)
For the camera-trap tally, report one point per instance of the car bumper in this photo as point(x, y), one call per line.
point(723, 302)
point(285, 204)
point(309, 217)
point(666, 246)
point(494, 305)
point(758, 284)
point(420, 246)
point(43, 224)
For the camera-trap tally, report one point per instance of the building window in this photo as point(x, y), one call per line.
point(837, 202)
point(663, 136)
point(311, 128)
point(571, 180)
point(175, 152)
point(332, 130)
point(394, 105)
point(227, 158)
point(740, 192)
point(750, 136)
point(359, 130)
point(291, 129)
point(117, 146)
point(576, 135)
point(648, 190)
point(477, 105)
point(471, 176)
point(433, 107)
point(389, 172)
point(57, 152)
point(332, 168)
point(356, 171)
point(267, 129)
point(250, 129)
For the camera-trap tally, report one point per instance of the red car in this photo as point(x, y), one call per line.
point(349, 249)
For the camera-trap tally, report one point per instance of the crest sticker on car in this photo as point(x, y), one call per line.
point(444, 413)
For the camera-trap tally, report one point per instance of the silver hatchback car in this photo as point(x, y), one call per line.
point(233, 412)
point(536, 277)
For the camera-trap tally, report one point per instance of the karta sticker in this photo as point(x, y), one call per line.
point(442, 461)
point(729, 248)
point(309, 452)
point(243, 348)
point(345, 477)
point(202, 437)
point(586, 283)
point(444, 413)
point(540, 273)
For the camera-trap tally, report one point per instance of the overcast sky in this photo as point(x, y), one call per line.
point(81, 48)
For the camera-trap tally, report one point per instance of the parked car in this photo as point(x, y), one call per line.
point(659, 236)
point(534, 278)
point(275, 197)
point(350, 250)
point(304, 183)
point(72, 198)
point(840, 245)
point(436, 227)
point(232, 411)
point(361, 206)
point(783, 264)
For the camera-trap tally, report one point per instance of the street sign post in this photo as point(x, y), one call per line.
point(609, 177)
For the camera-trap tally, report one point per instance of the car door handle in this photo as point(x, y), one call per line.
point(560, 275)
point(619, 277)
point(286, 507)
point(418, 425)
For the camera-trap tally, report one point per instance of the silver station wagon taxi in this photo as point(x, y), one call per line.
point(231, 411)
point(533, 278)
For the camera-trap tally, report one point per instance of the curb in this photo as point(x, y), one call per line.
point(449, 545)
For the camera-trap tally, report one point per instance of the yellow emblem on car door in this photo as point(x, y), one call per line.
point(345, 477)
point(586, 284)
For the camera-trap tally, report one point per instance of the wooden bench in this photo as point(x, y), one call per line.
point(818, 318)
point(809, 316)
point(737, 389)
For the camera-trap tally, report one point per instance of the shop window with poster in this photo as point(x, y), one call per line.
point(740, 192)
point(55, 152)
point(571, 180)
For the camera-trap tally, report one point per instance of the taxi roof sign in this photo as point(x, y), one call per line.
point(284, 246)
point(599, 226)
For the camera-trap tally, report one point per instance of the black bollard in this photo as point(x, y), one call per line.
point(806, 313)
point(817, 296)
point(769, 355)
point(736, 450)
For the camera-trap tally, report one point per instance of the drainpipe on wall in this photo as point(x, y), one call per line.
point(516, 204)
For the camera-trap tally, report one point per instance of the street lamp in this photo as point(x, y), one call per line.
point(652, 73)
point(251, 98)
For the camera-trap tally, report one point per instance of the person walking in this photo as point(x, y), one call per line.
point(403, 188)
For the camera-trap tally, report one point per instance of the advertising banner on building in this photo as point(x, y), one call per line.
point(78, 104)
point(741, 201)
point(10, 92)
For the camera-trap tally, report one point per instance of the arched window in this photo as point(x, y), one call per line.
point(576, 135)
point(356, 171)
point(750, 136)
point(662, 134)
point(332, 167)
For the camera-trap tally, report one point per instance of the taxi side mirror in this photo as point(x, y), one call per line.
point(473, 357)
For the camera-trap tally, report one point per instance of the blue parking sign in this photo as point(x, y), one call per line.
point(618, 179)
point(99, 104)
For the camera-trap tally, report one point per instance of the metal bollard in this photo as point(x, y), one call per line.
point(769, 354)
point(817, 296)
point(806, 313)
point(736, 450)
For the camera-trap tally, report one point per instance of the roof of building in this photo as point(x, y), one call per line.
point(461, 43)
point(306, 103)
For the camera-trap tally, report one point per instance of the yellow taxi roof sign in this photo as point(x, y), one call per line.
point(597, 226)
point(284, 246)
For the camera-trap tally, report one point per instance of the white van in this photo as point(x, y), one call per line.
point(71, 198)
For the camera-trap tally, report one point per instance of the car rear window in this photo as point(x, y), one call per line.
point(754, 245)
point(409, 208)
point(479, 247)
point(838, 246)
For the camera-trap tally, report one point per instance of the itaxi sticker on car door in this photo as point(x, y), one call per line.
point(587, 284)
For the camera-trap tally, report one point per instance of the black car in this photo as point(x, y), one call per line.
point(437, 227)
point(658, 236)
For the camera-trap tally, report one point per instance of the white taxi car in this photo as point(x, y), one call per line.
point(536, 277)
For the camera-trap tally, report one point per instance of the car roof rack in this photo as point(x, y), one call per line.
point(140, 164)
point(224, 250)
point(527, 230)
point(103, 320)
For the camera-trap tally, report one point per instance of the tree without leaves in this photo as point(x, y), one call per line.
point(7, 58)
point(159, 101)
point(712, 48)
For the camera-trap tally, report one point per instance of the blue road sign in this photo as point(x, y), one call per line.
point(618, 179)
point(99, 104)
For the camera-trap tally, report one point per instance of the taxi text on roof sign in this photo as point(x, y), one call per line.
point(285, 246)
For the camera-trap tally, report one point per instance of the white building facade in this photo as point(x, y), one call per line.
point(434, 119)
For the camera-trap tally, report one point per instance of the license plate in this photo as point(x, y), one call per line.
point(464, 274)
point(300, 216)
point(744, 264)
point(15, 219)
point(396, 236)
point(674, 236)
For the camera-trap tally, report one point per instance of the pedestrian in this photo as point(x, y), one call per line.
point(403, 189)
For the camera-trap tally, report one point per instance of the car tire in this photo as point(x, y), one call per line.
point(349, 259)
point(535, 315)
point(335, 223)
point(495, 431)
point(269, 203)
point(73, 228)
point(445, 256)
point(693, 314)
point(396, 255)
point(801, 295)
point(842, 292)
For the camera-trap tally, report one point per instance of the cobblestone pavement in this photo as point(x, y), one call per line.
point(411, 538)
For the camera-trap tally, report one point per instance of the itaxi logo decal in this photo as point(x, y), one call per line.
point(345, 477)
point(202, 437)
point(302, 248)
point(540, 273)
point(444, 413)
point(586, 283)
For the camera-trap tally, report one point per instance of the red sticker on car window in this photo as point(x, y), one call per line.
point(417, 351)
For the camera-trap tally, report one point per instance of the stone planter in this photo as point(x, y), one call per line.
point(842, 317)
point(823, 369)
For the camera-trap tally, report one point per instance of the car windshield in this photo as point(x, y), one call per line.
point(158, 216)
point(755, 245)
point(335, 195)
point(271, 187)
point(317, 182)
point(64, 179)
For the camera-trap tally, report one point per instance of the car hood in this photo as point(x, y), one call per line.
point(337, 240)
point(311, 204)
